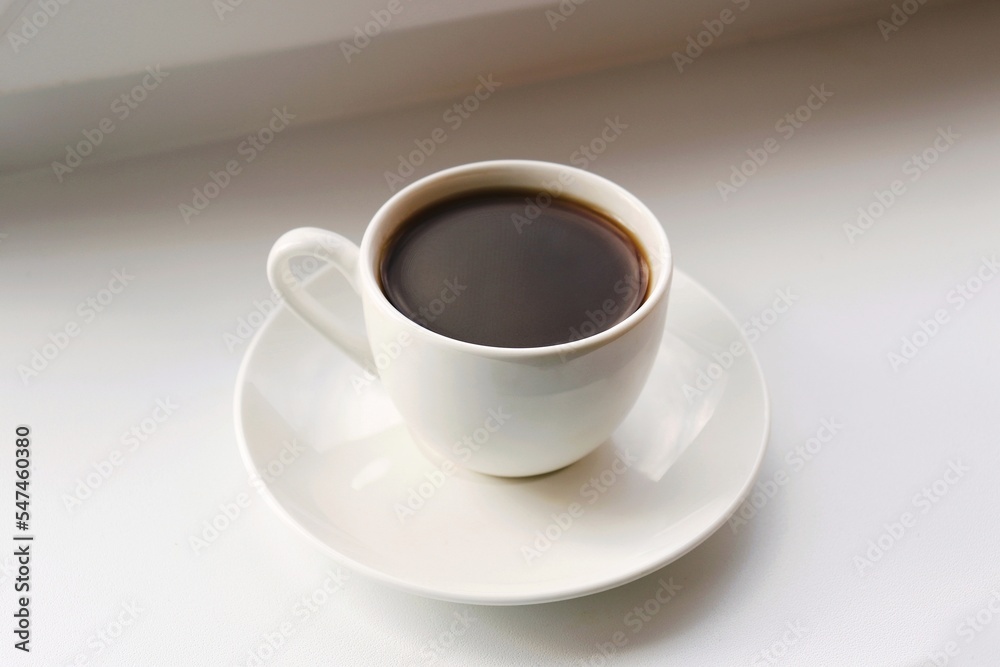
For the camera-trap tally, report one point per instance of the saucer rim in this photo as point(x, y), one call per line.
point(546, 595)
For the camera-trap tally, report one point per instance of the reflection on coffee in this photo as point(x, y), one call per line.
point(496, 268)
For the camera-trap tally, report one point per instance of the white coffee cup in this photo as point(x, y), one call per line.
point(501, 411)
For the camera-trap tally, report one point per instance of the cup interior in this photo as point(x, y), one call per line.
point(546, 178)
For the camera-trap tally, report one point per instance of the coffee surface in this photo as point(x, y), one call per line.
point(501, 268)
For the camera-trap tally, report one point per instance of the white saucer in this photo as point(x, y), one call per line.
point(353, 467)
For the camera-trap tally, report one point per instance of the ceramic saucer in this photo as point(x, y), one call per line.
point(336, 463)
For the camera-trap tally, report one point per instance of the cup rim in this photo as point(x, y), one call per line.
point(395, 210)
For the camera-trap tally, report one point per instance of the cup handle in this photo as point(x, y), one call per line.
point(342, 254)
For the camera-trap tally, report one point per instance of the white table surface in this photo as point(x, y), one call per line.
point(793, 565)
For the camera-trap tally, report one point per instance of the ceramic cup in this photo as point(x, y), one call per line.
point(501, 411)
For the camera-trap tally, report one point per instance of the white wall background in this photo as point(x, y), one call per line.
point(228, 68)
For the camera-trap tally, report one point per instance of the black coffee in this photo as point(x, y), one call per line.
point(502, 268)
